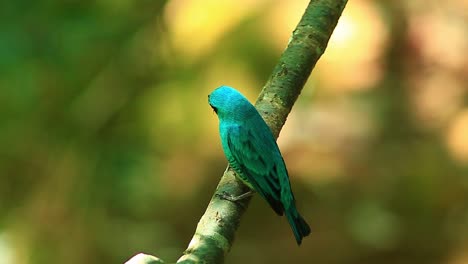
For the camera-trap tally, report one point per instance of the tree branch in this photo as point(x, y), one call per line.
point(216, 229)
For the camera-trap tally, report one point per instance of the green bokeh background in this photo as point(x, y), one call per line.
point(108, 147)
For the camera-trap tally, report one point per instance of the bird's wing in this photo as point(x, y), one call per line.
point(256, 155)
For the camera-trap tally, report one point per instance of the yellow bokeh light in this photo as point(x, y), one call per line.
point(196, 26)
point(355, 49)
point(457, 137)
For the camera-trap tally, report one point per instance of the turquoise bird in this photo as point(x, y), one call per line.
point(252, 152)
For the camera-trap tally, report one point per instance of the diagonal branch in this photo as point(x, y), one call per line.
point(216, 229)
point(307, 43)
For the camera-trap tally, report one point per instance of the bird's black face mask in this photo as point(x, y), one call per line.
point(215, 109)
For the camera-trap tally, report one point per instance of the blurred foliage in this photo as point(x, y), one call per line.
point(108, 146)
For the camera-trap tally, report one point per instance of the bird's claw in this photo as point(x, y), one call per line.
point(229, 197)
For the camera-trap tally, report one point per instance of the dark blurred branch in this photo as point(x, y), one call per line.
point(215, 232)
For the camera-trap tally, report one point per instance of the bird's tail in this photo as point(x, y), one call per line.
point(298, 225)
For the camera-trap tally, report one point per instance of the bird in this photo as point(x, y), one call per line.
point(252, 151)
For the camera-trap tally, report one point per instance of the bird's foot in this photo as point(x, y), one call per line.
point(232, 198)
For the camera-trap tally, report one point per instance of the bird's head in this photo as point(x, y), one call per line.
point(227, 102)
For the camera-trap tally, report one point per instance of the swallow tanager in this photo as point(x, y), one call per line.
point(252, 152)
